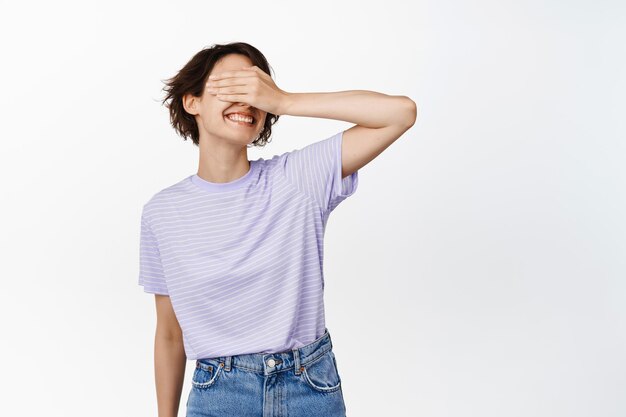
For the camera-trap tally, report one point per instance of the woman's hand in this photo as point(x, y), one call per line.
point(250, 85)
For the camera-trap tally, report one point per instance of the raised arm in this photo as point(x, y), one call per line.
point(380, 119)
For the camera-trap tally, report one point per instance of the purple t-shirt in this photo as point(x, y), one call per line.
point(242, 261)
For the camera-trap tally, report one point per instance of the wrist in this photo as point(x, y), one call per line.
point(286, 103)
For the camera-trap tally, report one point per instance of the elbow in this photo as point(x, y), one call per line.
point(405, 112)
point(170, 335)
point(410, 113)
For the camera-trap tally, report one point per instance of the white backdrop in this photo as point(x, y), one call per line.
point(478, 270)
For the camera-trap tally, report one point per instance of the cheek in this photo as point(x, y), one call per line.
point(213, 121)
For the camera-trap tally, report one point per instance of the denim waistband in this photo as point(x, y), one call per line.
point(269, 363)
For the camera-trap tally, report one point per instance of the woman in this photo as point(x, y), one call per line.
point(234, 252)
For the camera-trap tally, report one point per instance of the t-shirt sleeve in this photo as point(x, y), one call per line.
point(151, 275)
point(316, 171)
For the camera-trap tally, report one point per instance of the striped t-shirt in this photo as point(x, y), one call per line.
point(242, 261)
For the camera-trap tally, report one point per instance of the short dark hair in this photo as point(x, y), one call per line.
point(192, 78)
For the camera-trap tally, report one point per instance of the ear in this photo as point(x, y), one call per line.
point(189, 104)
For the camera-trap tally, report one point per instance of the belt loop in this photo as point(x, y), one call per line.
point(227, 361)
point(296, 360)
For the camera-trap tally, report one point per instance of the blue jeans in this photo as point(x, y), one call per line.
point(300, 382)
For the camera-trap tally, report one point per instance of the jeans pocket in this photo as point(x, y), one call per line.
point(321, 374)
point(206, 374)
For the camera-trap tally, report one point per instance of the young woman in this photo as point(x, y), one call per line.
point(234, 252)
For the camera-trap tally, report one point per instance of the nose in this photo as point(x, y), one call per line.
point(246, 105)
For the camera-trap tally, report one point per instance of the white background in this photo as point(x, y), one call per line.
point(478, 270)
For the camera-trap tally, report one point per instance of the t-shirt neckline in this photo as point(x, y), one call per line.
point(224, 186)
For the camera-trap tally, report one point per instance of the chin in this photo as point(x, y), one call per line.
point(243, 139)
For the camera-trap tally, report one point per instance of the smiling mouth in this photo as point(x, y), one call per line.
point(240, 120)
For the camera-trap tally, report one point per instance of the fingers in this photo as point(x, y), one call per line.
point(231, 85)
point(225, 87)
point(226, 83)
point(252, 71)
point(230, 74)
point(235, 98)
point(242, 90)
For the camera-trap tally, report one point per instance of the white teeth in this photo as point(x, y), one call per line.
point(240, 118)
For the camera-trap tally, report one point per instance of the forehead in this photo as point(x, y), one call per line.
point(231, 62)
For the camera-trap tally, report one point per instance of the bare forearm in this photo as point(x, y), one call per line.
point(169, 367)
point(362, 107)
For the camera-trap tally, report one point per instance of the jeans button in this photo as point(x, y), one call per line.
point(271, 363)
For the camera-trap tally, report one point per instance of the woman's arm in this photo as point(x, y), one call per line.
point(362, 107)
point(380, 119)
point(169, 358)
